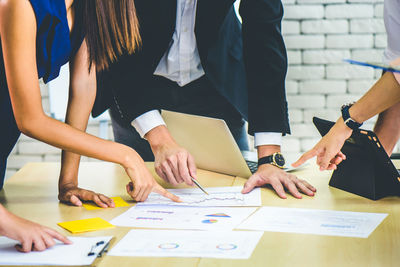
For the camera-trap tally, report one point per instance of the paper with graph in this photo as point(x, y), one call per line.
point(175, 217)
point(312, 221)
point(218, 197)
point(183, 243)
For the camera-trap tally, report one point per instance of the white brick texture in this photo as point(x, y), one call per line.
point(318, 34)
point(324, 26)
point(349, 11)
point(304, 12)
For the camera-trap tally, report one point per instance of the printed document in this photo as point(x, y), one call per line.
point(176, 243)
point(174, 217)
point(61, 254)
point(310, 221)
point(218, 197)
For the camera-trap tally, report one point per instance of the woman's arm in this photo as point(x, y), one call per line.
point(384, 94)
point(18, 36)
point(31, 235)
point(82, 93)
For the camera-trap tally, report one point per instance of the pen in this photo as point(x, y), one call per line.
point(199, 186)
point(373, 65)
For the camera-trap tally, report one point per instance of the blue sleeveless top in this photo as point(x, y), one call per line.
point(55, 44)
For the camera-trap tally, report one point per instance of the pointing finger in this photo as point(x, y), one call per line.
point(306, 156)
point(160, 190)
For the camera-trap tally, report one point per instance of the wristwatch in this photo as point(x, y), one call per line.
point(275, 159)
point(352, 124)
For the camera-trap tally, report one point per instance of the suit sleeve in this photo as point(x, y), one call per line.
point(266, 65)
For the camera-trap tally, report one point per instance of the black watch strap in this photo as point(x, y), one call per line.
point(265, 160)
point(275, 159)
point(352, 124)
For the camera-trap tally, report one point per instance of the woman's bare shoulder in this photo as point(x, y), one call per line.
point(16, 10)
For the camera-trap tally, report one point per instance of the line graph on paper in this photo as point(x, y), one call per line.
point(218, 197)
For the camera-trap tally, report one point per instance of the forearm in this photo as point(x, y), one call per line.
point(384, 94)
point(2, 211)
point(3, 214)
point(267, 150)
point(78, 113)
point(158, 137)
point(82, 94)
point(70, 162)
point(73, 140)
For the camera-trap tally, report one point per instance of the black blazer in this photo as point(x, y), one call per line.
point(246, 63)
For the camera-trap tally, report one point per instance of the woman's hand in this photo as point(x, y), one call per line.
point(328, 148)
point(142, 182)
point(71, 194)
point(33, 237)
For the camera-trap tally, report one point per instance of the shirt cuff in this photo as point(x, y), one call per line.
point(264, 138)
point(147, 121)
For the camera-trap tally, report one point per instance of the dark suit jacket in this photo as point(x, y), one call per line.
point(246, 63)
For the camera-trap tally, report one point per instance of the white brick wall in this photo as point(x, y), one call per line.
point(318, 35)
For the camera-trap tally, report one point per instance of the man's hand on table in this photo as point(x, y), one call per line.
point(173, 163)
point(279, 180)
point(268, 174)
point(72, 194)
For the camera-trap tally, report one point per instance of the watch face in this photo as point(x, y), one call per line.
point(279, 159)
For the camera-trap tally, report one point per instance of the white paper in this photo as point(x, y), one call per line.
point(60, 254)
point(218, 197)
point(173, 217)
point(175, 243)
point(319, 222)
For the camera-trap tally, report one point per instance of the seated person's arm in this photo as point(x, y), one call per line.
point(32, 236)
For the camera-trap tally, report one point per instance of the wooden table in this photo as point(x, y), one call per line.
point(32, 194)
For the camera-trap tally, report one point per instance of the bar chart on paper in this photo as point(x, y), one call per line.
point(218, 197)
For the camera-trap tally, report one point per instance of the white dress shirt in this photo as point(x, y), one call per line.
point(392, 23)
point(181, 64)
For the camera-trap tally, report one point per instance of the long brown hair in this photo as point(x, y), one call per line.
point(111, 29)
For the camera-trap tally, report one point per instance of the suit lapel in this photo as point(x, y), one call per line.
point(157, 20)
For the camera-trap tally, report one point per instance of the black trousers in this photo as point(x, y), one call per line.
point(9, 133)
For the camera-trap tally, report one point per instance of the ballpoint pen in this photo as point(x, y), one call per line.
point(199, 186)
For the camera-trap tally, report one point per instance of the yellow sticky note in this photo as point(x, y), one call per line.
point(86, 225)
point(118, 201)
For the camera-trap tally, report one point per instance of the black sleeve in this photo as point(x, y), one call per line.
point(266, 65)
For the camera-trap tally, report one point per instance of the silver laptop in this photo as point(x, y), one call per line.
point(210, 142)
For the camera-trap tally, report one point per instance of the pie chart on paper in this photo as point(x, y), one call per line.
point(209, 221)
